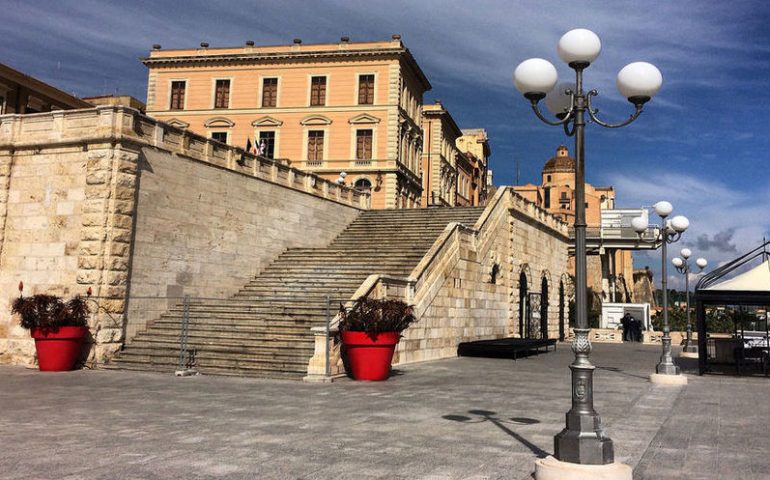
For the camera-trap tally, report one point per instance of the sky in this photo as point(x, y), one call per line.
point(701, 143)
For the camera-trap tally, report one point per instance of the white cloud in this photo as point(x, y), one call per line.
point(724, 220)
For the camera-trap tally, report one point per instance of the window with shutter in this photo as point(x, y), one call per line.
point(222, 94)
point(269, 92)
point(177, 95)
point(315, 145)
point(366, 89)
point(317, 91)
point(363, 145)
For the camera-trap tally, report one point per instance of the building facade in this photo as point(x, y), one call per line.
point(610, 274)
point(474, 143)
point(454, 162)
point(350, 107)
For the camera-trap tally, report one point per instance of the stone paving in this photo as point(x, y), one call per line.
point(463, 418)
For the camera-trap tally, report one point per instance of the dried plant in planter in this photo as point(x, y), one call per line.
point(51, 312)
point(376, 316)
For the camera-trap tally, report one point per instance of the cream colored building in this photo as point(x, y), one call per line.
point(454, 161)
point(350, 107)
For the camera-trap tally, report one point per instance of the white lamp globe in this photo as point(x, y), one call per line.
point(557, 101)
point(639, 224)
point(639, 81)
point(579, 46)
point(678, 262)
point(701, 262)
point(535, 76)
point(685, 253)
point(680, 223)
point(663, 208)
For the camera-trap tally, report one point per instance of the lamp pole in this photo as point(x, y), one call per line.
point(682, 265)
point(669, 231)
point(583, 440)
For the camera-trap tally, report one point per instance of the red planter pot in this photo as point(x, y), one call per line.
point(58, 350)
point(370, 359)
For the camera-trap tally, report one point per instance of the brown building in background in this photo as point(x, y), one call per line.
point(556, 194)
point(20, 93)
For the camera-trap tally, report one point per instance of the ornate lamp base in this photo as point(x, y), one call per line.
point(583, 441)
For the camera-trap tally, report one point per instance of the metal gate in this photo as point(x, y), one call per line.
point(533, 330)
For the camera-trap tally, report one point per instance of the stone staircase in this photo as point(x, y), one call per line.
point(264, 329)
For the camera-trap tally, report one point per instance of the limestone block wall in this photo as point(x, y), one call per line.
point(466, 288)
point(206, 232)
point(111, 200)
point(43, 198)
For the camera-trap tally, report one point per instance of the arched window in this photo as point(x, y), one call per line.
point(363, 185)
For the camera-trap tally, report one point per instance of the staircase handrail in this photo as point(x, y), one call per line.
point(419, 271)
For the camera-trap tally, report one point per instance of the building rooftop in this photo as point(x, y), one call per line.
point(250, 53)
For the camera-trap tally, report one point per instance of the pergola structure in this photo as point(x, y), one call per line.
point(751, 288)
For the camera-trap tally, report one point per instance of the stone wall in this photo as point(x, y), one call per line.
point(455, 295)
point(205, 232)
point(69, 218)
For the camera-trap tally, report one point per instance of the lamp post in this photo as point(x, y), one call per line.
point(683, 266)
point(583, 440)
point(670, 231)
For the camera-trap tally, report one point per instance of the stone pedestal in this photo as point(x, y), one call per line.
point(664, 379)
point(550, 468)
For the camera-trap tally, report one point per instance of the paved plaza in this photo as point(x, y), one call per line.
point(462, 418)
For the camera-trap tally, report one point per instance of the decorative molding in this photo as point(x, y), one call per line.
point(219, 122)
point(363, 118)
point(175, 122)
point(315, 119)
point(267, 122)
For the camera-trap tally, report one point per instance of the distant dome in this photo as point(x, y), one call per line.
point(562, 162)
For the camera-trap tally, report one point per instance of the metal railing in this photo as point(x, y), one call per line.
point(331, 332)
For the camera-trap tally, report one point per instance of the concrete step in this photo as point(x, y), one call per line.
point(264, 329)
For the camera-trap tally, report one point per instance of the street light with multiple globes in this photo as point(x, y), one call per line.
point(669, 231)
point(583, 440)
point(683, 266)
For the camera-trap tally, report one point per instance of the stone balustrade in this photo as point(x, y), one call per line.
point(118, 124)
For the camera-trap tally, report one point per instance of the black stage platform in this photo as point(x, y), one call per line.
point(505, 347)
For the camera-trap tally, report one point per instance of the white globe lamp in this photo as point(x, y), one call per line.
point(639, 82)
point(579, 47)
point(685, 253)
point(557, 101)
point(535, 77)
point(663, 208)
point(639, 224)
point(680, 223)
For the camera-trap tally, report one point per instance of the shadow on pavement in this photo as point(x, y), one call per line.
point(488, 416)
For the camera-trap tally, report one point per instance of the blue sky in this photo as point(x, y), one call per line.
point(702, 143)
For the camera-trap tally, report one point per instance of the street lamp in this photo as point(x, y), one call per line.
point(683, 266)
point(670, 231)
point(583, 440)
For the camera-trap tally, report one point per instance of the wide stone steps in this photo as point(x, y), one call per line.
point(264, 329)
